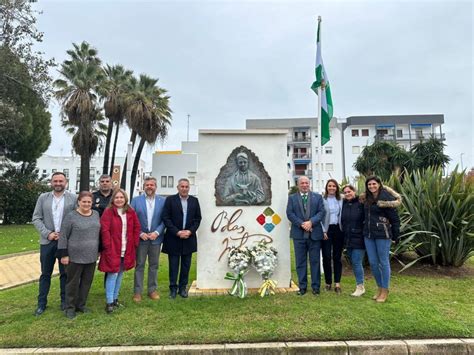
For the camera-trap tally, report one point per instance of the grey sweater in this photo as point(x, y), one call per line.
point(79, 237)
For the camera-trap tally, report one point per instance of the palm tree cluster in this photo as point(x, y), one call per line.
point(90, 93)
point(383, 158)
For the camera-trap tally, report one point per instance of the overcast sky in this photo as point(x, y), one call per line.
point(226, 61)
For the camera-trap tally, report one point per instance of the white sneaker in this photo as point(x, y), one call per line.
point(359, 291)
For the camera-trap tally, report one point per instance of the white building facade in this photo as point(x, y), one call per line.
point(71, 167)
point(170, 166)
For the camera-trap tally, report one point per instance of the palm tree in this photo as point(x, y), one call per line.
point(113, 90)
point(142, 102)
point(77, 94)
point(430, 153)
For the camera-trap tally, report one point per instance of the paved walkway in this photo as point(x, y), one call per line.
point(385, 347)
point(20, 269)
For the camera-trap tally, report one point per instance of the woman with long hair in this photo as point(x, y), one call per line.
point(381, 228)
point(352, 221)
point(333, 238)
point(120, 230)
point(78, 248)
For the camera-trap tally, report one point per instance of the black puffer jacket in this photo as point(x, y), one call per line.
point(352, 220)
point(381, 218)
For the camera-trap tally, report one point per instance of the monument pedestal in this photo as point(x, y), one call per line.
point(243, 192)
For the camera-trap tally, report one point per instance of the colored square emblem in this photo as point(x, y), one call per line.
point(268, 219)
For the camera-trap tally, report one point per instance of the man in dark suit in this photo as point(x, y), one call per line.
point(149, 208)
point(182, 216)
point(305, 211)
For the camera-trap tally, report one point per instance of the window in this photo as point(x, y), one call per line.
point(66, 172)
point(365, 133)
point(170, 181)
point(328, 150)
point(355, 133)
point(44, 171)
point(355, 149)
point(329, 167)
point(163, 181)
point(399, 133)
point(53, 171)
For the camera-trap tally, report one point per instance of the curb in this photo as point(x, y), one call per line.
point(414, 346)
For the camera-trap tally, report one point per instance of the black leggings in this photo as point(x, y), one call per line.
point(332, 251)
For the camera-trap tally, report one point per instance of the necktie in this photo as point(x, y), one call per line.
point(305, 200)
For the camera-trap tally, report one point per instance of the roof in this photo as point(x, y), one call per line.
point(394, 119)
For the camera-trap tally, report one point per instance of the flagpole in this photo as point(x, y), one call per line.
point(319, 146)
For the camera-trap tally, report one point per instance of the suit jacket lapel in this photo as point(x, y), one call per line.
point(299, 199)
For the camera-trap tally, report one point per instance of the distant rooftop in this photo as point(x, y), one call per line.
point(400, 119)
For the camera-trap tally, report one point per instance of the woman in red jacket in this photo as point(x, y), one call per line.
point(120, 230)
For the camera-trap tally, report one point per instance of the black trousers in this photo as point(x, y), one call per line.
point(79, 281)
point(303, 249)
point(332, 252)
point(47, 259)
point(174, 267)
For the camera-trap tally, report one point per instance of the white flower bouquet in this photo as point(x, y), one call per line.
point(264, 259)
point(239, 261)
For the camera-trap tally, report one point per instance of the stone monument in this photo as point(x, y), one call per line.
point(243, 192)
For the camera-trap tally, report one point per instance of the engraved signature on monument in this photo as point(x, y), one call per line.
point(225, 223)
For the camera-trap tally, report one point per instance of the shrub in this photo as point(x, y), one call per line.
point(439, 215)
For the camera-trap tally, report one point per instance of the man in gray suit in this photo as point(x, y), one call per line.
point(305, 211)
point(50, 210)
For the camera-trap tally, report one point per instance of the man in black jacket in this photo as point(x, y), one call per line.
point(182, 216)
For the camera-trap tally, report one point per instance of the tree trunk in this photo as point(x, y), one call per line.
point(110, 128)
point(112, 161)
point(133, 177)
point(85, 173)
point(123, 180)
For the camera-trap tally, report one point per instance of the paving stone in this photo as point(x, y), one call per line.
point(205, 349)
point(470, 344)
point(318, 347)
point(437, 346)
point(131, 350)
point(377, 347)
point(45, 351)
point(17, 351)
point(256, 348)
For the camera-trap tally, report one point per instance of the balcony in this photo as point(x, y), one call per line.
point(302, 158)
point(300, 139)
point(407, 137)
point(298, 173)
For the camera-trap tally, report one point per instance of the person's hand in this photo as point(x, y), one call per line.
point(307, 226)
point(144, 236)
point(153, 236)
point(65, 260)
point(180, 234)
point(325, 236)
point(53, 236)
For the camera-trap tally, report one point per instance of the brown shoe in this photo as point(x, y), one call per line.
point(377, 295)
point(383, 296)
point(137, 297)
point(154, 296)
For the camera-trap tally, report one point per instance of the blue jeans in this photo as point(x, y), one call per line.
point(357, 256)
point(113, 282)
point(378, 251)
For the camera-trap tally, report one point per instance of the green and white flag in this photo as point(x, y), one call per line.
point(322, 81)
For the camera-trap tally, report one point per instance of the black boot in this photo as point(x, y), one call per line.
point(109, 308)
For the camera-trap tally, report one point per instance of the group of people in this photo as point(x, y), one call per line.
point(125, 235)
point(327, 224)
point(76, 230)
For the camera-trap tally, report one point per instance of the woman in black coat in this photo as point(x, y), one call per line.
point(352, 220)
point(381, 228)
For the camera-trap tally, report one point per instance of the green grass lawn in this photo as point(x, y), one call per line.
point(17, 239)
point(427, 306)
